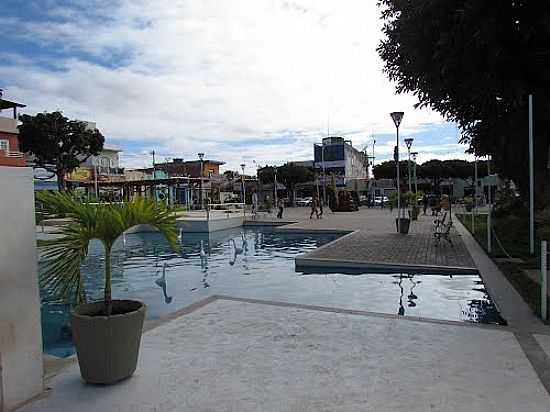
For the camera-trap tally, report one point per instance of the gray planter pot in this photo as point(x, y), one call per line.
point(404, 223)
point(107, 346)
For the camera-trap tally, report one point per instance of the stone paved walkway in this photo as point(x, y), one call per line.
point(375, 240)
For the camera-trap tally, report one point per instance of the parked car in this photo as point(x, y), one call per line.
point(304, 201)
point(379, 199)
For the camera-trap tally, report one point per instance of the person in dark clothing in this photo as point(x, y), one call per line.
point(280, 205)
point(314, 204)
point(425, 204)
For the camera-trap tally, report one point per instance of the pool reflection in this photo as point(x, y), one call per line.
point(257, 263)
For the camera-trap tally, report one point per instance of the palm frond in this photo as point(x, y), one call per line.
point(63, 256)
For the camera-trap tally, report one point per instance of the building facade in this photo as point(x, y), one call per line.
point(10, 154)
point(104, 167)
point(337, 157)
point(192, 168)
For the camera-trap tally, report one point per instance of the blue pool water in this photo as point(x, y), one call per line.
point(258, 263)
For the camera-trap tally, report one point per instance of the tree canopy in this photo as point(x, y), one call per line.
point(433, 169)
point(288, 174)
point(58, 144)
point(386, 170)
point(476, 62)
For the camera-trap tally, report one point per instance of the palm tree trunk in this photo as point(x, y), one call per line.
point(107, 299)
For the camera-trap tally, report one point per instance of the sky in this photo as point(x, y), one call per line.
point(243, 81)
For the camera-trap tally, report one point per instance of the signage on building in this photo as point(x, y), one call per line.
point(81, 174)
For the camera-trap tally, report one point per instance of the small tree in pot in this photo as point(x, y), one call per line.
point(107, 333)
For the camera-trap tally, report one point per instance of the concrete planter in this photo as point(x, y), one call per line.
point(108, 346)
point(404, 223)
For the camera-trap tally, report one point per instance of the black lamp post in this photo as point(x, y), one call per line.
point(409, 142)
point(397, 117)
point(414, 155)
point(201, 157)
point(244, 187)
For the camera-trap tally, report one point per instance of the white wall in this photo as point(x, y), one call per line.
point(20, 333)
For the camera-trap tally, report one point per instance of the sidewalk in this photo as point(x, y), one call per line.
point(233, 355)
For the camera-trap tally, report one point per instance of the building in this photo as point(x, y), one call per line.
point(381, 188)
point(303, 163)
point(107, 164)
point(104, 167)
point(10, 154)
point(192, 168)
point(337, 157)
point(21, 362)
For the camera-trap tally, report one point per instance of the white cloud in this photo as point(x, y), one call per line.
point(198, 72)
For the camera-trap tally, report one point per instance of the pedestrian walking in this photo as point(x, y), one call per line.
point(320, 209)
point(254, 204)
point(425, 203)
point(281, 206)
point(314, 205)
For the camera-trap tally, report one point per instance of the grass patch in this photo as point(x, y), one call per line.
point(510, 237)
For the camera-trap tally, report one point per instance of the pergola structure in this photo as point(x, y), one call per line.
point(176, 190)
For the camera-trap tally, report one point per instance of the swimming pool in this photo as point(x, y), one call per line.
point(258, 262)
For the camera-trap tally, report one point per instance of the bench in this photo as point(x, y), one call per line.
point(442, 229)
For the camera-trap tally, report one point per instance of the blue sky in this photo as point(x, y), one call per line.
point(247, 80)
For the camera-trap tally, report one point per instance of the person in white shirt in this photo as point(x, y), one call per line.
point(254, 204)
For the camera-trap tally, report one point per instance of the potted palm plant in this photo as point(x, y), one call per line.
point(106, 333)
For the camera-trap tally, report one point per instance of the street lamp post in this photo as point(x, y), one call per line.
point(409, 142)
point(324, 173)
point(201, 157)
point(275, 183)
point(154, 177)
point(531, 181)
point(414, 155)
point(243, 182)
point(94, 162)
point(397, 117)
point(373, 143)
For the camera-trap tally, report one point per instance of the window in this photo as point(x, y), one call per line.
point(5, 145)
point(333, 152)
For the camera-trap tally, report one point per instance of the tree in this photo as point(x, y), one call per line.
point(456, 168)
point(476, 62)
point(387, 170)
point(289, 175)
point(230, 174)
point(58, 144)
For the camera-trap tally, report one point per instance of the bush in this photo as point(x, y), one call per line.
point(408, 199)
point(508, 202)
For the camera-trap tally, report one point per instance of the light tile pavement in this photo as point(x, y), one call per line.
point(237, 356)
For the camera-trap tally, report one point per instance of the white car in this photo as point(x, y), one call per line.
point(379, 199)
point(306, 201)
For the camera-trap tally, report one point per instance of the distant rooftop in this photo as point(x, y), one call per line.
point(111, 148)
point(7, 104)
